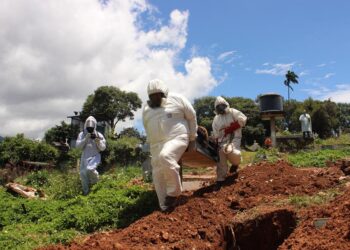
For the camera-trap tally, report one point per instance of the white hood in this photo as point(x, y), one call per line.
point(157, 86)
point(220, 100)
point(90, 122)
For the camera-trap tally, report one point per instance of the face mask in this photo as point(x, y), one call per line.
point(155, 100)
point(90, 129)
point(221, 109)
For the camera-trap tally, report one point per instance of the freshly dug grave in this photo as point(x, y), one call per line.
point(335, 234)
point(203, 219)
point(266, 230)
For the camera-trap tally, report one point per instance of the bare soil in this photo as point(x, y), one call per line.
point(244, 214)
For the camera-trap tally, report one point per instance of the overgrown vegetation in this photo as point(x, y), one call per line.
point(113, 202)
point(18, 148)
point(123, 151)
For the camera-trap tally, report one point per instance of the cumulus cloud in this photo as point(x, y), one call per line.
point(275, 69)
point(55, 53)
point(340, 94)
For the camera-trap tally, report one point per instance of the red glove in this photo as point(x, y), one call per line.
point(232, 128)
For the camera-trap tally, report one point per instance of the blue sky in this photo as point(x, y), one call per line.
point(252, 43)
point(56, 53)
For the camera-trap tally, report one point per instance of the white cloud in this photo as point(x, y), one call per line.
point(275, 69)
point(303, 73)
point(318, 91)
point(321, 65)
point(55, 53)
point(340, 94)
point(329, 75)
point(226, 55)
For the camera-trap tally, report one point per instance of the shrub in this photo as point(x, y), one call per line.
point(17, 149)
point(74, 155)
point(123, 151)
point(38, 178)
point(64, 186)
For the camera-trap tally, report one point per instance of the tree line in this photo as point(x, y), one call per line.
point(112, 105)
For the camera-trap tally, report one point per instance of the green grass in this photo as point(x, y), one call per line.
point(343, 139)
point(271, 155)
point(113, 203)
point(317, 158)
point(323, 197)
point(247, 157)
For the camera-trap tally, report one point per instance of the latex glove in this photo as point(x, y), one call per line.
point(232, 128)
point(191, 146)
point(87, 136)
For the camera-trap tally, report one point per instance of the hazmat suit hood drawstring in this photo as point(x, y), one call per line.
point(90, 122)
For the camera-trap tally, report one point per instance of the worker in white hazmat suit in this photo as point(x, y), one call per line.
point(227, 130)
point(171, 127)
point(92, 143)
point(306, 126)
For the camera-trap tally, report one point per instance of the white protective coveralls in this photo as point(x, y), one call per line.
point(222, 121)
point(91, 156)
point(169, 129)
point(305, 121)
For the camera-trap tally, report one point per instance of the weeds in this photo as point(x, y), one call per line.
point(113, 202)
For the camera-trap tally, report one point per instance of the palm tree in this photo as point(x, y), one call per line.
point(291, 77)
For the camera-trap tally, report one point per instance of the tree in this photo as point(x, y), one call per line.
point(291, 77)
point(323, 125)
point(205, 111)
point(132, 132)
point(61, 132)
point(344, 115)
point(112, 105)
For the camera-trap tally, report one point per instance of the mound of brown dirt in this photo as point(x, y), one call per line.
point(264, 182)
point(201, 221)
point(335, 234)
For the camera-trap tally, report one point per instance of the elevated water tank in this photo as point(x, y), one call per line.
point(271, 103)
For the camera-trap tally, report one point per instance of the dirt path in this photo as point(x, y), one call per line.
point(217, 220)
